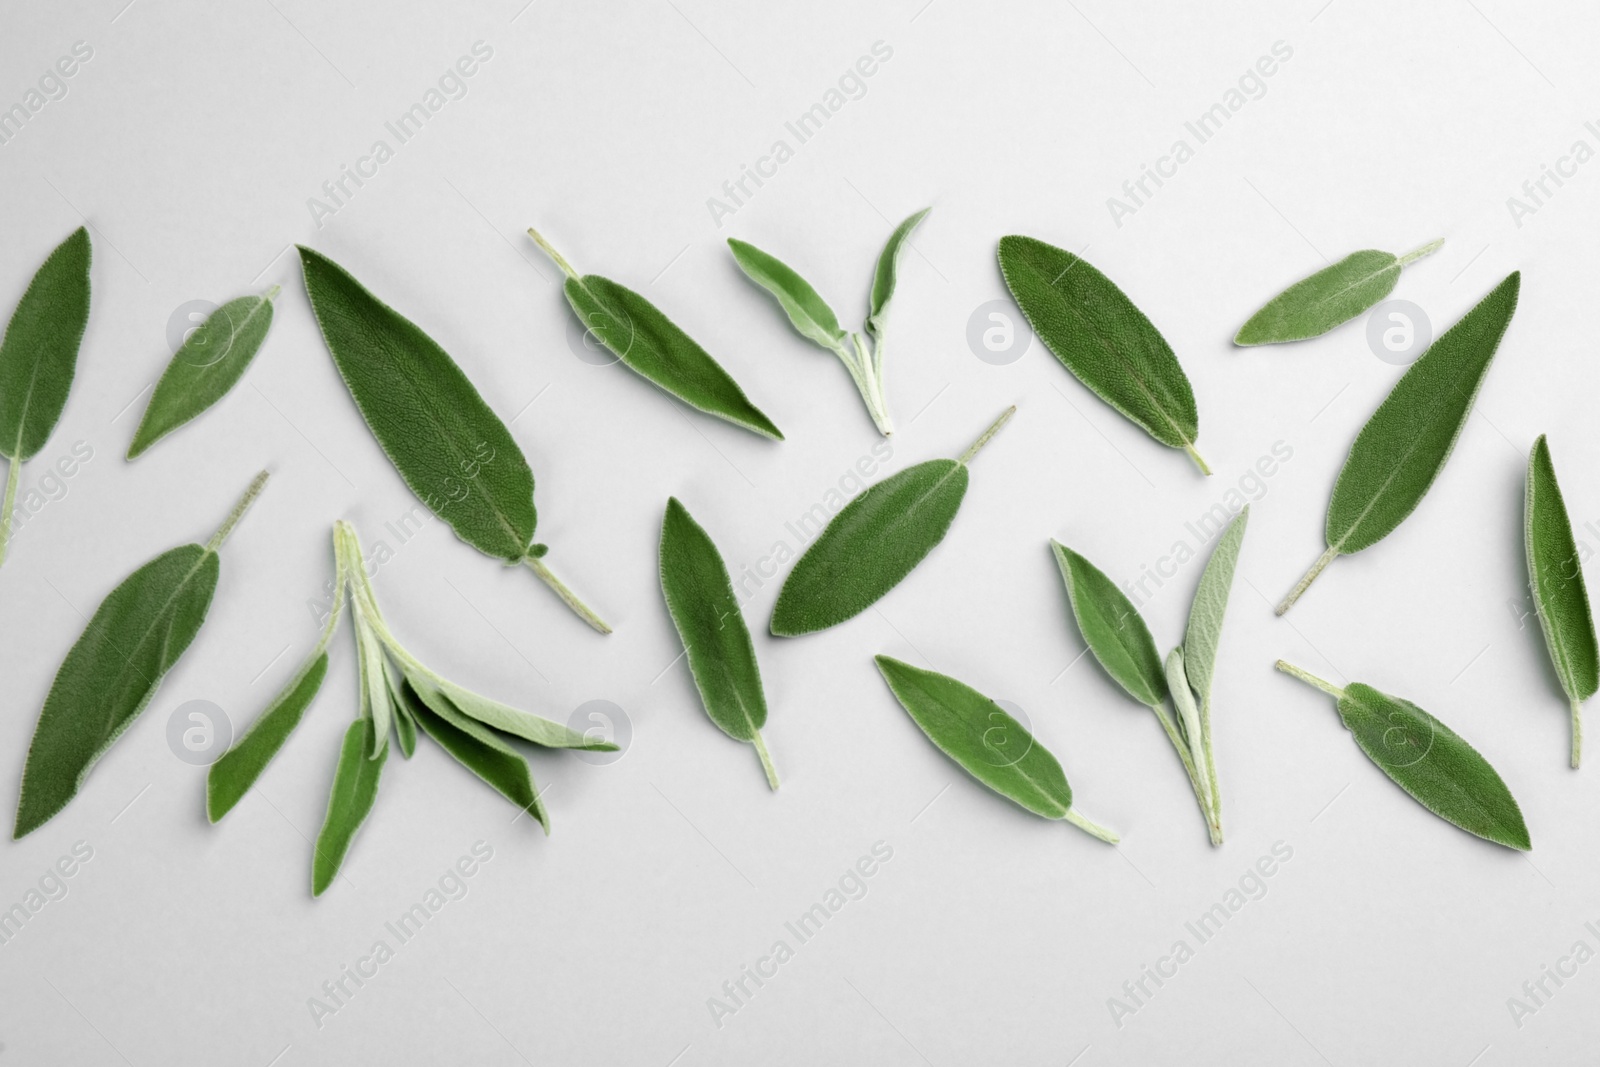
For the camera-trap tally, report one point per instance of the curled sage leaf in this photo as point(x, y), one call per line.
point(137, 634)
point(874, 542)
point(1427, 759)
point(1331, 297)
point(987, 742)
point(1405, 444)
point(816, 321)
point(38, 359)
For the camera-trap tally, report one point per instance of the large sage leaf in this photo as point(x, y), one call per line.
point(1112, 628)
point(1103, 338)
point(355, 789)
point(722, 657)
point(1405, 444)
point(209, 363)
point(135, 637)
point(1333, 295)
point(987, 742)
point(38, 359)
point(1428, 760)
point(1208, 608)
point(1555, 575)
point(654, 347)
point(874, 542)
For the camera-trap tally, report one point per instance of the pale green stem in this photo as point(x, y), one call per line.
point(1417, 253)
point(994, 428)
point(1577, 733)
point(1195, 781)
point(1215, 823)
point(1305, 583)
point(766, 759)
point(258, 483)
point(870, 382)
point(1088, 827)
point(1310, 679)
point(272, 293)
point(9, 505)
point(549, 250)
point(340, 579)
point(1199, 461)
point(568, 597)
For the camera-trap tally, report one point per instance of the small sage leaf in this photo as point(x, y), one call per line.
point(887, 275)
point(449, 446)
point(403, 702)
point(38, 359)
point(1112, 628)
point(1555, 574)
point(355, 789)
point(480, 750)
point(1103, 339)
point(1209, 606)
point(874, 542)
point(654, 347)
point(722, 657)
point(1405, 444)
point(987, 742)
point(135, 637)
point(807, 311)
point(209, 363)
point(1427, 759)
point(1331, 297)
point(376, 702)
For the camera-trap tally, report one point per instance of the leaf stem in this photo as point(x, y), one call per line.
point(1310, 679)
point(550, 251)
point(1310, 576)
point(9, 504)
point(257, 483)
point(272, 293)
point(1417, 253)
point(869, 360)
point(568, 597)
point(994, 428)
point(766, 759)
point(1577, 733)
point(1199, 461)
point(1195, 781)
point(1108, 836)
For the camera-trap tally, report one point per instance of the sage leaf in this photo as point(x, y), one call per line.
point(1427, 759)
point(652, 346)
point(1199, 650)
point(1103, 339)
point(376, 703)
point(355, 789)
point(722, 657)
point(208, 364)
point(1331, 297)
point(1405, 444)
point(449, 446)
point(38, 359)
point(987, 742)
point(135, 637)
point(1555, 574)
point(816, 321)
point(403, 703)
point(874, 542)
point(1112, 628)
point(478, 749)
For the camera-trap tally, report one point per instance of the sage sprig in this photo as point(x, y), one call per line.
point(1427, 759)
point(38, 359)
point(1103, 338)
point(1555, 575)
point(1405, 444)
point(209, 363)
point(874, 542)
point(654, 347)
point(1120, 640)
point(1331, 297)
point(722, 657)
point(987, 742)
point(450, 447)
point(136, 635)
point(816, 321)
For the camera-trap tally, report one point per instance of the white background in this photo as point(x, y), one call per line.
point(191, 143)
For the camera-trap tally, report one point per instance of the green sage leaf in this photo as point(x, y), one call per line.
point(722, 657)
point(874, 542)
point(1208, 608)
point(1103, 339)
point(807, 311)
point(355, 789)
point(1332, 296)
point(987, 742)
point(886, 276)
point(1404, 445)
point(403, 703)
point(231, 777)
point(376, 703)
point(654, 347)
point(1427, 759)
point(135, 637)
point(1112, 628)
point(480, 750)
point(38, 359)
point(209, 363)
point(1555, 575)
